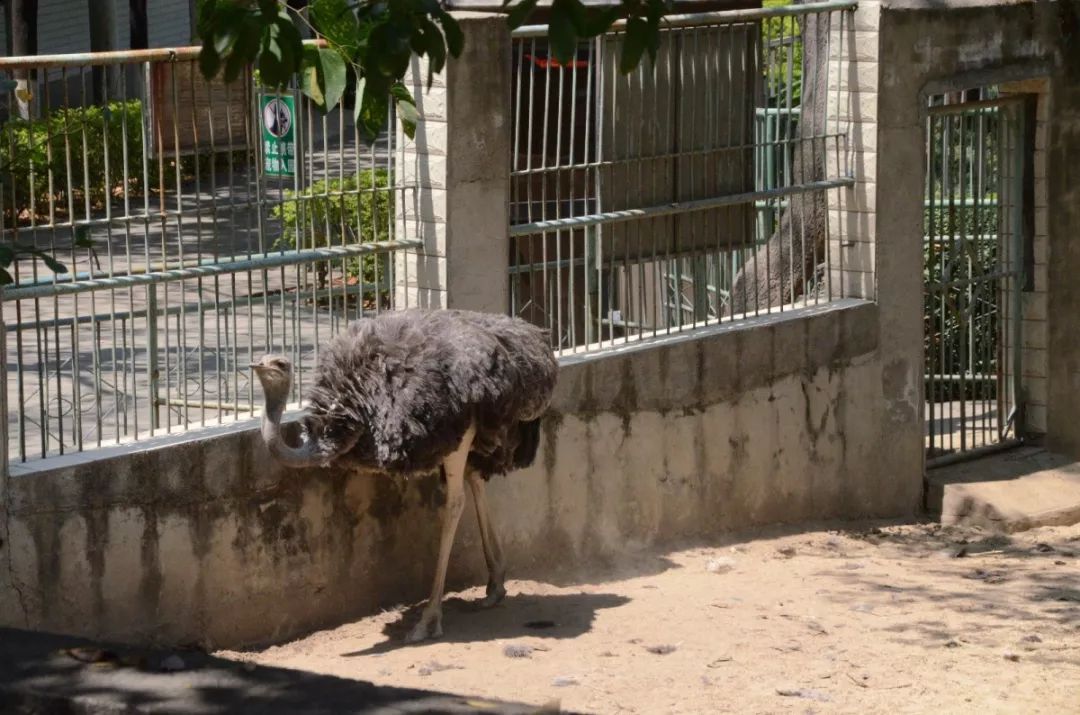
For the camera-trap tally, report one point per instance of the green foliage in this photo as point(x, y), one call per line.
point(783, 75)
point(31, 150)
point(377, 38)
point(944, 220)
point(357, 209)
point(961, 322)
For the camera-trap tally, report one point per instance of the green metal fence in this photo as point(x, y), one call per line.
point(974, 273)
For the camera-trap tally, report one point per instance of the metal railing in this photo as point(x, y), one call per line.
point(191, 247)
point(675, 196)
point(974, 274)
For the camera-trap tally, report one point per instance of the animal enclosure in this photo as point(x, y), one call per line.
point(636, 200)
point(186, 259)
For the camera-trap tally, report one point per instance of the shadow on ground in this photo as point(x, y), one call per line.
point(1002, 583)
point(553, 616)
point(45, 674)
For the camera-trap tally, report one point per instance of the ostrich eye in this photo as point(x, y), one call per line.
point(280, 365)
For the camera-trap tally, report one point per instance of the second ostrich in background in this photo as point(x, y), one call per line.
point(409, 392)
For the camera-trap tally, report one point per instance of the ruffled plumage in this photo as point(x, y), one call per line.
point(395, 393)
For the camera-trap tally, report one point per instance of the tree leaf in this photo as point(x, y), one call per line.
point(82, 237)
point(54, 265)
point(332, 76)
point(310, 85)
point(209, 60)
point(358, 101)
point(272, 68)
point(373, 112)
point(336, 21)
point(634, 42)
point(455, 38)
point(561, 33)
point(406, 108)
point(519, 13)
point(243, 50)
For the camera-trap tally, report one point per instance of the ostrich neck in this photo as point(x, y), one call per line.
point(306, 455)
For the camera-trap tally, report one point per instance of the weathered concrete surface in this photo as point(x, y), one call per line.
point(1012, 491)
point(930, 47)
point(780, 419)
point(42, 673)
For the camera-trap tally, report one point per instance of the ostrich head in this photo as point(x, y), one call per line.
point(275, 375)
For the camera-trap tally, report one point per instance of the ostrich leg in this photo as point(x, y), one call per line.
point(496, 591)
point(430, 625)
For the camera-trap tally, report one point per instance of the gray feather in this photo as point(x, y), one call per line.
point(396, 393)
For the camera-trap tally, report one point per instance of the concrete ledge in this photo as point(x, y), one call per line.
point(42, 673)
point(1007, 492)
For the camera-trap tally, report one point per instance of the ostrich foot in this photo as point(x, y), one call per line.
point(496, 592)
point(430, 626)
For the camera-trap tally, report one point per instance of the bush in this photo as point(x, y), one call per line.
point(962, 321)
point(339, 212)
point(30, 150)
point(962, 220)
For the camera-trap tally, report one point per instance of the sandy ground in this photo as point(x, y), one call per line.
point(901, 618)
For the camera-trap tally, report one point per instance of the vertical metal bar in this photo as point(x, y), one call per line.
point(966, 292)
point(152, 366)
point(1018, 270)
point(5, 433)
point(930, 368)
point(197, 162)
point(557, 170)
point(572, 304)
point(515, 178)
point(598, 236)
point(556, 338)
point(219, 365)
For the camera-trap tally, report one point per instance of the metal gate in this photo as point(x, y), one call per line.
point(974, 272)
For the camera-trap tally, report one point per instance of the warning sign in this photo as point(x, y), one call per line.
point(279, 135)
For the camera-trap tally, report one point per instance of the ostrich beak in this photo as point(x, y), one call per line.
point(254, 366)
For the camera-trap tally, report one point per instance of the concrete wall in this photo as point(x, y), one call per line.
point(209, 541)
point(937, 47)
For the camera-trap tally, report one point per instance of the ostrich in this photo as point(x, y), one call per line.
point(412, 391)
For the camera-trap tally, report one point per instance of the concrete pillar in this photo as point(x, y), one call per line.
point(459, 163)
point(853, 95)
point(1033, 329)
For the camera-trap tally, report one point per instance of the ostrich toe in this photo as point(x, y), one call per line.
point(496, 592)
point(430, 626)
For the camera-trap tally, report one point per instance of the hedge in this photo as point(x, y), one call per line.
point(30, 150)
point(357, 209)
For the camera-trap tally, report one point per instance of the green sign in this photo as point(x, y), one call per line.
point(279, 134)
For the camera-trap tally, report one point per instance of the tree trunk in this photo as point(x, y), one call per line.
point(780, 270)
point(24, 42)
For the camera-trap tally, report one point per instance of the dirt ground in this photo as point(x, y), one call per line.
point(901, 619)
